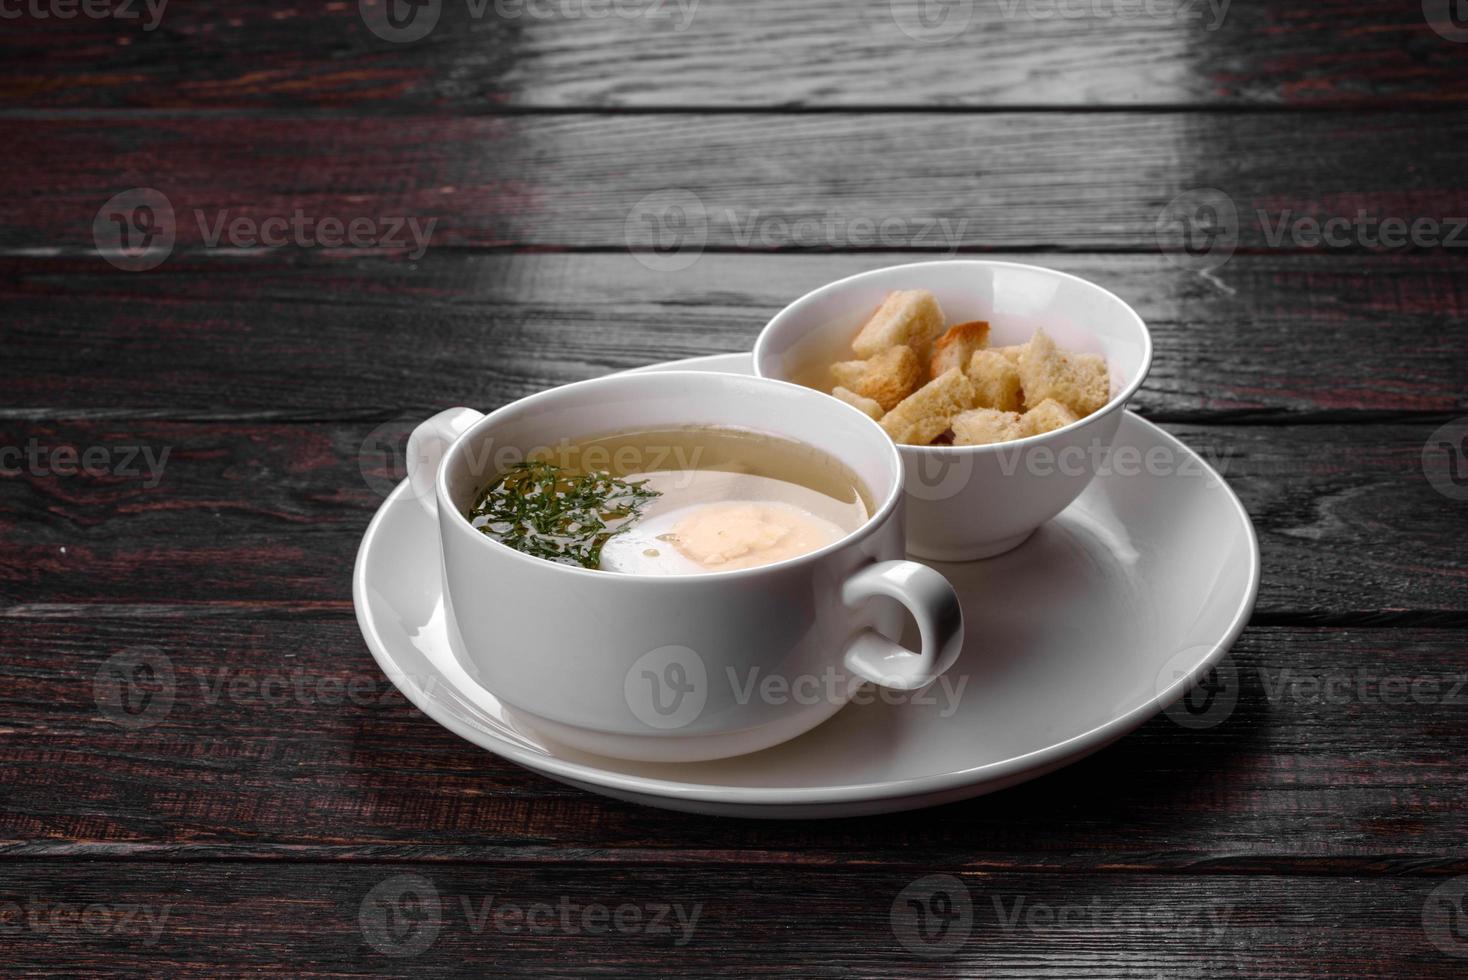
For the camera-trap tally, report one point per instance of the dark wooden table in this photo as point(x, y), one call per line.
point(201, 769)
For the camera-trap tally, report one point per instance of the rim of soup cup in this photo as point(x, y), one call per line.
point(879, 516)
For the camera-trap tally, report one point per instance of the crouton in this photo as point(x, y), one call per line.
point(954, 348)
point(1011, 353)
point(887, 378)
point(1078, 381)
point(923, 415)
point(983, 426)
point(1095, 382)
point(869, 406)
point(910, 317)
point(997, 381)
point(1047, 416)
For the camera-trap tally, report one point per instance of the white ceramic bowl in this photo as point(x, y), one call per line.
point(691, 667)
point(966, 502)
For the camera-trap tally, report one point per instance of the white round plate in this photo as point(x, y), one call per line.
point(1107, 615)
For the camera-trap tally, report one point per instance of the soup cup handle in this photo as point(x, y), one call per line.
point(426, 448)
point(932, 602)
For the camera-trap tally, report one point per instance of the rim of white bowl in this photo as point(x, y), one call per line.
point(1116, 402)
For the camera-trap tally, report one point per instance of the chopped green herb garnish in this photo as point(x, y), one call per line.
point(558, 514)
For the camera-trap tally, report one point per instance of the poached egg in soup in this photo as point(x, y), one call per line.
point(674, 502)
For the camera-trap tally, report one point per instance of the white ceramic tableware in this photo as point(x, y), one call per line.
point(683, 667)
point(966, 502)
point(1109, 614)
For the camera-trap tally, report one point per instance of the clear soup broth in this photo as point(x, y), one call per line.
point(681, 501)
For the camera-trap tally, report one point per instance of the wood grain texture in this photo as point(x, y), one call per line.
point(281, 739)
point(273, 513)
point(530, 53)
point(305, 336)
point(312, 920)
point(240, 412)
point(683, 182)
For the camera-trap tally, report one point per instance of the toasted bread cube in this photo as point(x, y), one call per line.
point(1011, 353)
point(924, 415)
point(983, 426)
point(848, 374)
point(909, 317)
point(870, 406)
point(1047, 416)
point(1078, 381)
point(954, 348)
point(1094, 380)
point(886, 379)
point(997, 381)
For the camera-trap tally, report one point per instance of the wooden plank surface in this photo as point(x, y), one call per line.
point(244, 410)
point(278, 738)
point(491, 920)
point(300, 335)
point(249, 513)
point(681, 53)
point(687, 181)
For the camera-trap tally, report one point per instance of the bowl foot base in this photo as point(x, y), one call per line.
point(986, 549)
